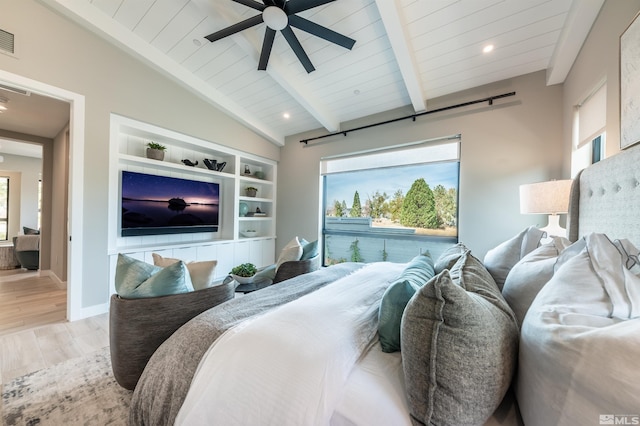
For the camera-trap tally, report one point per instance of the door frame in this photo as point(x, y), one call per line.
point(75, 184)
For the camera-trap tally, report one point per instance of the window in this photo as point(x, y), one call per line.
point(589, 129)
point(4, 208)
point(391, 205)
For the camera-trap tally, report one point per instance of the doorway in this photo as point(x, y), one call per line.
point(74, 184)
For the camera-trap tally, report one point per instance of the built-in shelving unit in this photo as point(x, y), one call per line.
point(128, 143)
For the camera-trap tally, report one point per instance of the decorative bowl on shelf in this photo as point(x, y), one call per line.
point(259, 174)
point(249, 233)
point(243, 280)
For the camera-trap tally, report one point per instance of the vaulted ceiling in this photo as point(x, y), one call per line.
point(406, 52)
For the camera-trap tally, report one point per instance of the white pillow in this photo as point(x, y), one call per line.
point(501, 259)
point(291, 252)
point(530, 274)
point(202, 273)
point(580, 341)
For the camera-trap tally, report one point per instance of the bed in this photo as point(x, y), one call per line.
point(283, 355)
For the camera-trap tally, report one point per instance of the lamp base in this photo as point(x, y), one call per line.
point(554, 228)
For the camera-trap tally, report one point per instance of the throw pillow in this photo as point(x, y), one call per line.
point(268, 272)
point(418, 271)
point(291, 252)
point(137, 279)
point(580, 342)
point(449, 257)
point(30, 231)
point(459, 347)
point(202, 273)
point(530, 274)
point(309, 250)
point(501, 259)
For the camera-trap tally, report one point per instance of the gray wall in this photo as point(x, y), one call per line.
point(517, 140)
point(53, 50)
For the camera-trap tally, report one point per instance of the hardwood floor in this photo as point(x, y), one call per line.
point(34, 333)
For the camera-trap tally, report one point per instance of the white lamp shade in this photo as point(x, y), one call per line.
point(550, 197)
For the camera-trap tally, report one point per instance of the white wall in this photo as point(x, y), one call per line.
point(517, 140)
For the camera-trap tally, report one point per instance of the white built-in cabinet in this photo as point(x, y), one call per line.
point(229, 246)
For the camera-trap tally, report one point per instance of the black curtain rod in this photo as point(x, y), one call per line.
point(412, 116)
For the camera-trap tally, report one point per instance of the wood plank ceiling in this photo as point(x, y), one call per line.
point(406, 52)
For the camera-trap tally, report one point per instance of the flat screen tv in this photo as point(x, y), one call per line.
point(153, 205)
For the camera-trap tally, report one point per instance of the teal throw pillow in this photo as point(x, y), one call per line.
point(268, 272)
point(309, 250)
point(136, 279)
point(417, 273)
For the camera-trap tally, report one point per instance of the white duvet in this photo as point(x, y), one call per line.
point(290, 365)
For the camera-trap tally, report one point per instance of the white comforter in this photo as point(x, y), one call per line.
point(289, 366)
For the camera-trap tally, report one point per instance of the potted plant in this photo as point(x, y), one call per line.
point(251, 191)
point(244, 273)
point(155, 151)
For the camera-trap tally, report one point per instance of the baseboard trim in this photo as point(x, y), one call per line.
point(49, 273)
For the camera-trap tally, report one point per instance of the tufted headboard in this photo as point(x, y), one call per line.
point(605, 198)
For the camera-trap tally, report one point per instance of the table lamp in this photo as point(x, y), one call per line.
point(551, 198)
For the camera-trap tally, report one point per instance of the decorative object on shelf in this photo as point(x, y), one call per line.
point(249, 233)
point(259, 174)
point(244, 273)
point(550, 198)
point(155, 151)
point(256, 214)
point(189, 163)
point(211, 164)
point(258, 210)
point(244, 209)
point(221, 166)
point(246, 169)
point(251, 191)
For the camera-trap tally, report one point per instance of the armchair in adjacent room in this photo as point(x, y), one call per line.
point(27, 250)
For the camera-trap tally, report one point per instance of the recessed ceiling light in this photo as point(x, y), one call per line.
point(356, 92)
point(197, 42)
point(488, 48)
point(286, 115)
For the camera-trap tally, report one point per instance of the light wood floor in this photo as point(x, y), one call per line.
point(34, 333)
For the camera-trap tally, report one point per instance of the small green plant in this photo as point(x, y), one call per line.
point(355, 251)
point(244, 270)
point(251, 188)
point(155, 145)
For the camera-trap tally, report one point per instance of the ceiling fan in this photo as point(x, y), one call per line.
point(280, 15)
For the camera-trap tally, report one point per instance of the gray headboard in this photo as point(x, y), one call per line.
point(605, 197)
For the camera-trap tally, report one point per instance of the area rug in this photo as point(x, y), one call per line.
point(80, 391)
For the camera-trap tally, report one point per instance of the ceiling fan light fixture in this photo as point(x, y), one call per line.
point(275, 18)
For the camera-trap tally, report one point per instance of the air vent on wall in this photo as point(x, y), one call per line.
point(14, 90)
point(7, 42)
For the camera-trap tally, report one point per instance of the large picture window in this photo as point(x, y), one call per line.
point(4, 208)
point(390, 205)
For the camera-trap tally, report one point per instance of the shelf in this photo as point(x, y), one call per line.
point(254, 199)
point(251, 219)
point(166, 165)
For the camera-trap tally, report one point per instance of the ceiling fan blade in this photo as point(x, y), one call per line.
point(297, 48)
point(267, 44)
point(252, 4)
point(320, 31)
point(295, 6)
point(247, 23)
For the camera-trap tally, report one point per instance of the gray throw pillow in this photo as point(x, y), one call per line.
point(502, 258)
point(449, 257)
point(417, 273)
point(459, 347)
point(530, 274)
